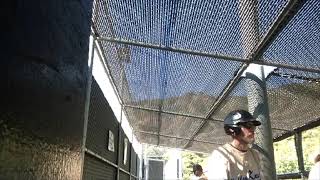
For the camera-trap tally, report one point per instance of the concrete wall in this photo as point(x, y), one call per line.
point(44, 71)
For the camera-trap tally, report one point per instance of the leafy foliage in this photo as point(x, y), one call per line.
point(311, 146)
point(286, 156)
point(190, 158)
point(156, 152)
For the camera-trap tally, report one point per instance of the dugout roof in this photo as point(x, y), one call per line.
point(176, 65)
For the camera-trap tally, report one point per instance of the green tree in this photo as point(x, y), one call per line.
point(285, 156)
point(285, 151)
point(156, 152)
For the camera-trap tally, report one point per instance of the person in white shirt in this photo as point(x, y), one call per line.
point(236, 160)
point(314, 173)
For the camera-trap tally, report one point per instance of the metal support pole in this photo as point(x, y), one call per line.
point(119, 146)
point(130, 164)
point(256, 88)
point(145, 165)
point(120, 123)
point(299, 151)
point(87, 101)
point(258, 106)
point(141, 164)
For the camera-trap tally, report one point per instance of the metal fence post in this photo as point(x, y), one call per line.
point(299, 151)
point(256, 87)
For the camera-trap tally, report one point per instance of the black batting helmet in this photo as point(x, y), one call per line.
point(237, 117)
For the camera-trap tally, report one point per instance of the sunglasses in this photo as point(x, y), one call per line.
point(248, 125)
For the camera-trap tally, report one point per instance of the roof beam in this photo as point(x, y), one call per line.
point(182, 138)
point(308, 126)
point(184, 115)
point(288, 12)
point(171, 113)
point(172, 49)
point(210, 55)
point(287, 66)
